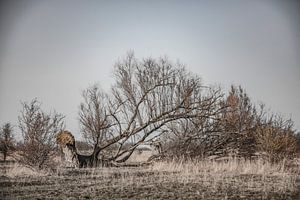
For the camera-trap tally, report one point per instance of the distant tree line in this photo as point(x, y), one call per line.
point(155, 100)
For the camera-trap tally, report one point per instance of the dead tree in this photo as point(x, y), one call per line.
point(148, 95)
point(7, 141)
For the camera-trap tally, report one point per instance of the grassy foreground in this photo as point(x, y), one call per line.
point(231, 179)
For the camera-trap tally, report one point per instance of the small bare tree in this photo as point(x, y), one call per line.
point(7, 141)
point(38, 130)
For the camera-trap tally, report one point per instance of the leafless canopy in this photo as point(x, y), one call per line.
point(148, 95)
point(38, 130)
point(93, 118)
point(155, 98)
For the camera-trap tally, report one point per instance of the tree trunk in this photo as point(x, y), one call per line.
point(4, 156)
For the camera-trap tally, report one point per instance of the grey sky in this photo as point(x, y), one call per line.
point(53, 50)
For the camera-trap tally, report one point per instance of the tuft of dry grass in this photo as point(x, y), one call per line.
point(255, 175)
point(17, 170)
point(230, 166)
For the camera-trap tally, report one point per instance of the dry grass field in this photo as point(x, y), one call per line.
point(230, 179)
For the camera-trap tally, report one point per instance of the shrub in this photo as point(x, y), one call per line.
point(276, 139)
point(38, 130)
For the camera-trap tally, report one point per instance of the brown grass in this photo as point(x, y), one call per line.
point(231, 179)
point(245, 175)
point(16, 170)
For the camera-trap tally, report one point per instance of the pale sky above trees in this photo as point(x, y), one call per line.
point(53, 50)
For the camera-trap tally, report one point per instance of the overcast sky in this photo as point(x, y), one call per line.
point(52, 50)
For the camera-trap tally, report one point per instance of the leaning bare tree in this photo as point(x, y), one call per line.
point(7, 141)
point(38, 130)
point(149, 94)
